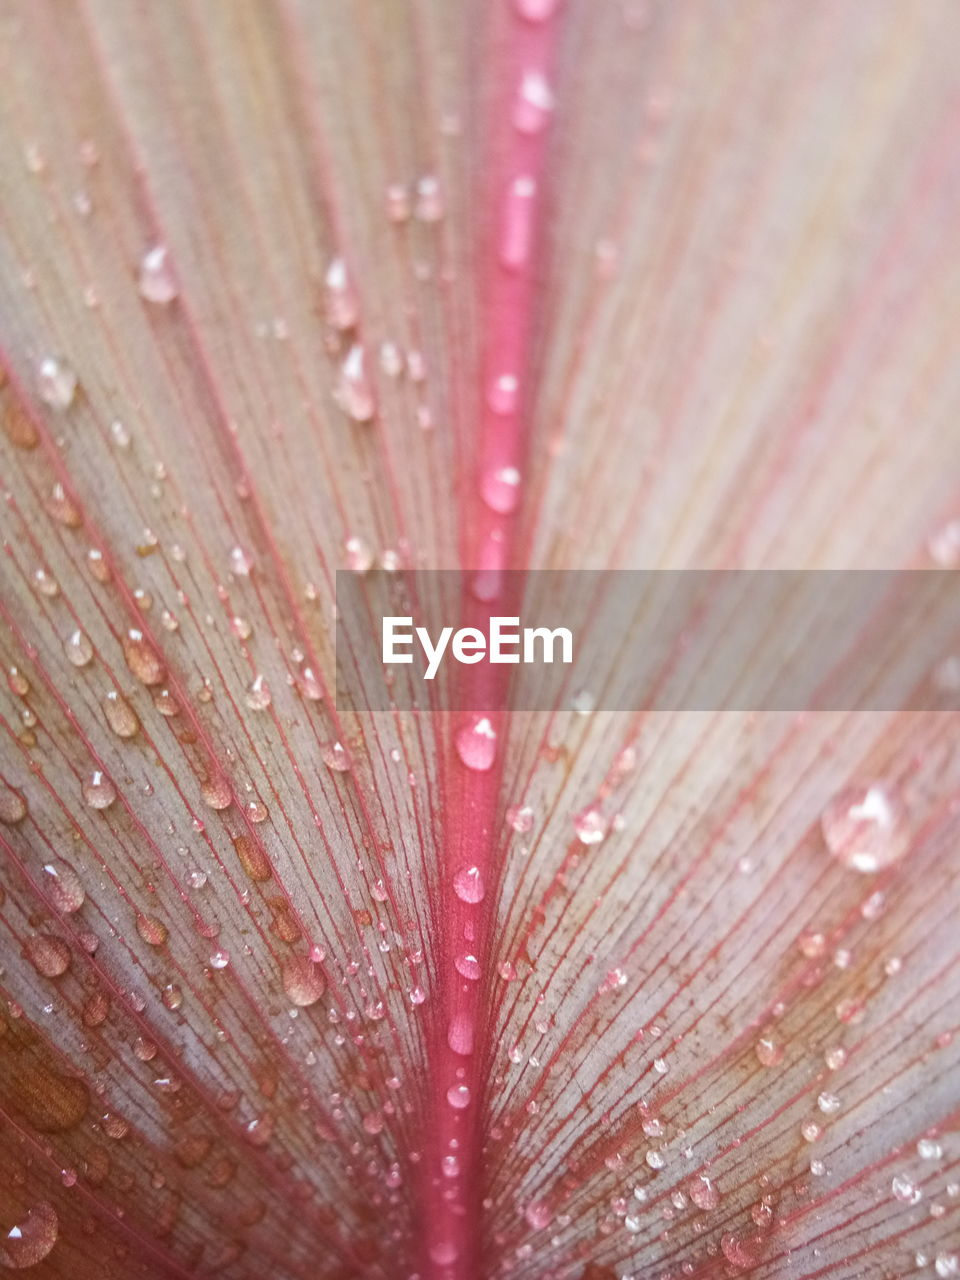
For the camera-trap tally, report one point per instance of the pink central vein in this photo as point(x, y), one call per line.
point(452, 1173)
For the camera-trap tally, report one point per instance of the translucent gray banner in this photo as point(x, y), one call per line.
point(651, 640)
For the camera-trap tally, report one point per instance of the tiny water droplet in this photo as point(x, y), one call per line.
point(904, 1190)
point(516, 230)
point(13, 807)
point(99, 792)
point(520, 818)
point(590, 826)
point(476, 744)
point(533, 103)
point(865, 828)
point(359, 554)
point(157, 282)
point(258, 696)
point(429, 202)
point(57, 383)
point(768, 1052)
point(353, 393)
point(536, 10)
point(943, 546)
point(241, 562)
point(341, 306)
point(216, 792)
point(538, 1215)
point(500, 489)
point(443, 1253)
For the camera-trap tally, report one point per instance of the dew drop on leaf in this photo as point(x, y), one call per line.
point(865, 828)
point(703, 1193)
point(468, 885)
point(98, 791)
point(13, 807)
point(121, 717)
point(30, 1239)
point(63, 886)
point(151, 930)
point(157, 282)
point(49, 955)
point(353, 393)
point(56, 382)
point(335, 756)
point(590, 826)
point(477, 744)
point(458, 1095)
point(533, 103)
point(341, 307)
point(303, 981)
point(142, 659)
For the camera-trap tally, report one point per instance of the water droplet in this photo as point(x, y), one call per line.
point(241, 562)
point(835, 1057)
point(536, 10)
point(216, 792)
point(57, 383)
point(516, 231)
point(865, 828)
point(768, 1052)
point(429, 203)
point(30, 1239)
point(157, 282)
point(946, 1265)
point(416, 995)
point(458, 1096)
point(63, 887)
point(303, 981)
point(927, 1149)
point(151, 930)
point(353, 393)
point(78, 649)
point(121, 717)
point(590, 826)
point(443, 1253)
point(258, 696)
point(538, 1215)
point(99, 792)
point(904, 1190)
point(500, 489)
point(359, 554)
point(467, 966)
point(944, 545)
point(336, 757)
point(468, 885)
point(142, 659)
point(13, 807)
point(520, 818)
point(341, 307)
point(503, 394)
point(703, 1193)
point(477, 744)
point(828, 1103)
point(48, 954)
point(533, 103)
point(219, 959)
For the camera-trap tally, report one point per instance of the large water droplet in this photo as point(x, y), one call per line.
point(63, 886)
point(151, 930)
point(458, 1096)
point(49, 955)
point(78, 648)
point(303, 981)
point(538, 1215)
point(57, 383)
point(13, 807)
point(468, 966)
point(257, 695)
point(157, 282)
point(703, 1193)
point(121, 717)
point(865, 828)
point(468, 885)
point(30, 1239)
point(99, 792)
point(477, 744)
point(500, 489)
point(335, 756)
point(142, 659)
